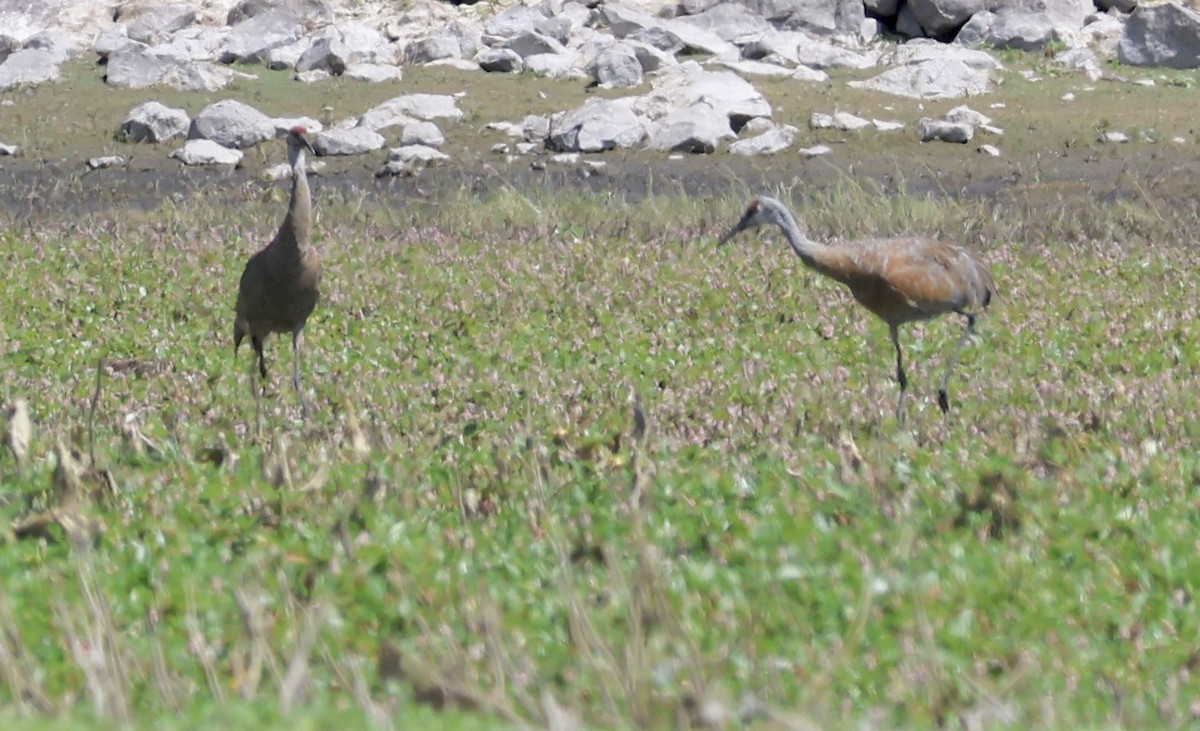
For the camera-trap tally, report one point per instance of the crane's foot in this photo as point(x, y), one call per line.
point(943, 401)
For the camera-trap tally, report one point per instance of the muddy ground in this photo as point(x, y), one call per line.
point(36, 187)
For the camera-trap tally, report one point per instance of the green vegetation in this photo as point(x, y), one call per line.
point(477, 517)
point(568, 455)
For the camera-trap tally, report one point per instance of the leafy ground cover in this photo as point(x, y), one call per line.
point(606, 464)
point(574, 464)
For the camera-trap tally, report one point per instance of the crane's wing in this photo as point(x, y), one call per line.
point(932, 276)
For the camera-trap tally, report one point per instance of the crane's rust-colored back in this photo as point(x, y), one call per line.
point(911, 278)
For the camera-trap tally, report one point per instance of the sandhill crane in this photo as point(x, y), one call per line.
point(901, 280)
point(280, 285)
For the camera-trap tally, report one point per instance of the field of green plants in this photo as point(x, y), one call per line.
point(573, 464)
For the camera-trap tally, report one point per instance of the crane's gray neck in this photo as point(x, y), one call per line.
point(795, 235)
point(299, 214)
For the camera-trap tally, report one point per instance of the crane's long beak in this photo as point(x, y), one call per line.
point(308, 147)
point(742, 225)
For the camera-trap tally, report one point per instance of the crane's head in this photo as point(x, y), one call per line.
point(762, 210)
point(296, 140)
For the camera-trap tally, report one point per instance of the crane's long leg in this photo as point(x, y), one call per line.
point(943, 396)
point(256, 386)
point(901, 377)
point(257, 342)
point(297, 334)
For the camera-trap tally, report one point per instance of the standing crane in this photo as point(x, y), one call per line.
point(280, 285)
point(901, 280)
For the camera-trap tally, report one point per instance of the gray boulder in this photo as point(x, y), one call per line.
point(812, 76)
point(818, 53)
point(759, 68)
point(76, 20)
point(908, 26)
point(650, 57)
point(401, 110)
point(532, 44)
point(658, 37)
point(768, 143)
point(373, 72)
point(153, 122)
point(29, 66)
point(315, 12)
point(679, 87)
point(940, 17)
point(56, 42)
point(882, 8)
point(155, 25)
point(137, 68)
point(617, 67)
point(8, 45)
point(554, 65)
point(206, 152)
point(133, 68)
point(1103, 33)
point(516, 20)
point(105, 162)
point(353, 141)
point(925, 69)
point(774, 46)
point(728, 21)
point(200, 76)
point(410, 159)
point(844, 121)
point(818, 16)
point(1026, 24)
point(367, 45)
point(416, 153)
point(249, 40)
point(281, 58)
point(422, 133)
point(231, 123)
point(336, 47)
point(1081, 59)
point(196, 43)
point(535, 128)
point(625, 21)
point(692, 7)
point(699, 128)
point(327, 54)
point(500, 60)
point(598, 125)
point(112, 39)
point(946, 131)
point(1160, 35)
point(558, 28)
point(449, 40)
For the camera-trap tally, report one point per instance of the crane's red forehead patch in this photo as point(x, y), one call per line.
point(753, 206)
point(299, 130)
